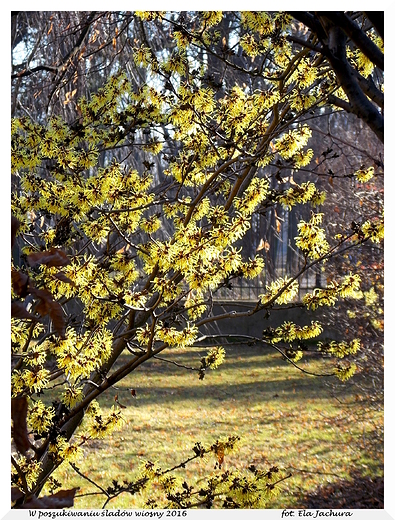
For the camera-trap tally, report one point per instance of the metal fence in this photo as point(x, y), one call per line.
point(246, 290)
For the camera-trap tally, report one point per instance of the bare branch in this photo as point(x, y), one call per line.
point(357, 35)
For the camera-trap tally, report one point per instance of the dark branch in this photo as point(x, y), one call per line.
point(341, 103)
point(369, 88)
point(360, 105)
point(332, 30)
point(376, 18)
point(27, 72)
point(357, 35)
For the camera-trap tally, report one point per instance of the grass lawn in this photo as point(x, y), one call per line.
point(283, 416)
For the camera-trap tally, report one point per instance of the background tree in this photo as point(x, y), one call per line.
point(148, 151)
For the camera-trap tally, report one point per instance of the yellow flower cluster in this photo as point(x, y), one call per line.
point(300, 194)
point(345, 372)
point(214, 358)
point(348, 288)
point(258, 21)
point(266, 99)
point(177, 338)
point(40, 416)
point(195, 305)
point(281, 291)
point(169, 335)
point(30, 468)
point(78, 355)
point(31, 380)
point(142, 56)
point(303, 158)
point(321, 297)
point(252, 268)
point(36, 355)
point(182, 40)
point(192, 109)
point(312, 238)
point(305, 73)
point(289, 332)
point(149, 15)
point(361, 62)
point(292, 141)
point(211, 18)
point(135, 300)
point(253, 196)
point(72, 395)
point(341, 349)
point(236, 112)
point(20, 331)
point(149, 470)
point(62, 450)
point(302, 101)
point(150, 224)
point(96, 425)
point(364, 174)
point(250, 46)
point(374, 230)
point(282, 51)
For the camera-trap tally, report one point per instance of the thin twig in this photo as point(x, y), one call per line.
point(88, 479)
point(175, 363)
point(314, 472)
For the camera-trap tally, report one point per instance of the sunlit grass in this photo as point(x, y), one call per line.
point(283, 416)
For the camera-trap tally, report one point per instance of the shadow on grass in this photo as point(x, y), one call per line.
point(245, 377)
point(357, 492)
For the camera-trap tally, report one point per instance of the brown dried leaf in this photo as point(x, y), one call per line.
point(278, 222)
point(20, 282)
point(52, 258)
point(48, 306)
point(57, 317)
point(63, 278)
point(59, 500)
point(263, 244)
point(18, 311)
point(45, 300)
point(18, 416)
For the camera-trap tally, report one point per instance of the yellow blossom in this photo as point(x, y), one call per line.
point(364, 174)
point(281, 291)
point(72, 396)
point(40, 417)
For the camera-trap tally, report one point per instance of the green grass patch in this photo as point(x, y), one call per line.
point(283, 416)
